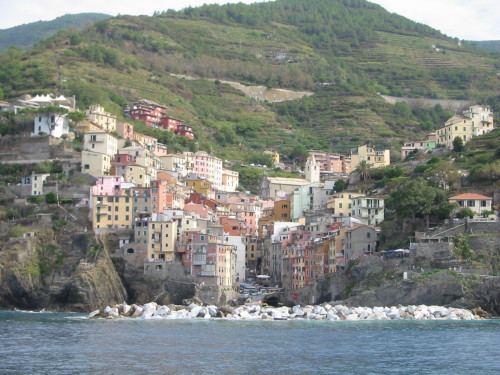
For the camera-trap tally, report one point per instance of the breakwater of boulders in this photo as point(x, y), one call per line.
point(327, 311)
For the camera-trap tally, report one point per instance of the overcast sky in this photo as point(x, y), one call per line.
point(464, 19)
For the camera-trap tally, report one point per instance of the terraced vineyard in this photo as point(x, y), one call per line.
point(345, 52)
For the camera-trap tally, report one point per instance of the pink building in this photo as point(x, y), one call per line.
point(202, 211)
point(125, 130)
point(107, 185)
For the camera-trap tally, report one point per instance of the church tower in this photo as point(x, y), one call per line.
point(312, 169)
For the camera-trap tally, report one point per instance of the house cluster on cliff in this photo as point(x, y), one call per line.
point(476, 120)
point(155, 115)
point(185, 208)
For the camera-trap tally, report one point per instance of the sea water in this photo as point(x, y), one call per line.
point(58, 343)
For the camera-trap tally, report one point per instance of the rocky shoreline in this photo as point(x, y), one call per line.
point(324, 311)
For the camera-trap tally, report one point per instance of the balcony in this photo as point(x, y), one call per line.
point(199, 262)
point(96, 140)
point(205, 273)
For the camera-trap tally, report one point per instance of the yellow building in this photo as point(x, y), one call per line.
point(342, 203)
point(274, 155)
point(477, 120)
point(161, 238)
point(136, 174)
point(375, 158)
point(230, 180)
point(199, 185)
point(97, 115)
point(95, 163)
point(86, 126)
point(336, 250)
point(251, 250)
point(112, 212)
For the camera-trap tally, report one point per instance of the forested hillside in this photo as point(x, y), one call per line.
point(345, 51)
point(25, 36)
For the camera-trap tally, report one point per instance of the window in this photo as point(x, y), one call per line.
point(368, 235)
point(483, 204)
point(471, 203)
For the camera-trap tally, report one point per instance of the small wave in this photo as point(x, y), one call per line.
point(78, 317)
point(42, 311)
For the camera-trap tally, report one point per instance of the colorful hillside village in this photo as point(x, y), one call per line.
point(187, 209)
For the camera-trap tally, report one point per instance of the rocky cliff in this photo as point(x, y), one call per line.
point(64, 272)
point(372, 282)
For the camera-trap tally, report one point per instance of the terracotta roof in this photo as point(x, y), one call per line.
point(469, 197)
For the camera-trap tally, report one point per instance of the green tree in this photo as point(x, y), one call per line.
point(75, 39)
point(340, 185)
point(262, 159)
point(363, 169)
point(444, 210)
point(51, 197)
point(76, 117)
point(413, 197)
point(458, 144)
point(462, 248)
point(250, 177)
point(298, 152)
point(465, 213)
point(443, 173)
point(225, 134)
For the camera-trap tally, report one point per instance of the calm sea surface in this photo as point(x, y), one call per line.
point(48, 343)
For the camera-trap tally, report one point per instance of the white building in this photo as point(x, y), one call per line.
point(368, 210)
point(52, 124)
point(230, 180)
point(477, 203)
point(174, 163)
point(477, 120)
point(100, 142)
point(36, 182)
point(239, 243)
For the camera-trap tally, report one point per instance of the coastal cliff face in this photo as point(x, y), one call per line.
point(62, 273)
point(371, 282)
